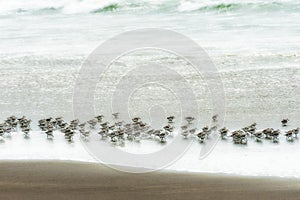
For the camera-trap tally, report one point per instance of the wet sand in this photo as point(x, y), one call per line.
point(75, 180)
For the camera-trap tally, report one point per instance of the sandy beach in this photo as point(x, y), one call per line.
point(75, 180)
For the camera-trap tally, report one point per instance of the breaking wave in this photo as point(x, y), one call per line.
point(103, 6)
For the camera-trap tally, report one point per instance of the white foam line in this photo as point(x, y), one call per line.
point(254, 159)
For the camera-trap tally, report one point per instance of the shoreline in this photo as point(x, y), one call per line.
point(165, 171)
point(275, 159)
point(82, 180)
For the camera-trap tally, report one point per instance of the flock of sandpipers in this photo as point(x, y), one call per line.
point(118, 131)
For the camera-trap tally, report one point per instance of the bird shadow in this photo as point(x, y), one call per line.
point(8, 137)
point(85, 139)
point(290, 141)
point(259, 142)
point(26, 137)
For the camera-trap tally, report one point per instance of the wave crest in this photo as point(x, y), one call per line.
point(102, 6)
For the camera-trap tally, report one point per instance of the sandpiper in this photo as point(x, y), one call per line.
point(136, 119)
point(103, 133)
point(69, 133)
point(296, 131)
point(82, 125)
point(201, 136)
point(2, 132)
point(190, 119)
point(99, 118)
point(185, 133)
point(215, 118)
point(115, 115)
point(250, 129)
point(223, 132)
point(289, 135)
point(268, 132)
point(74, 123)
point(92, 123)
point(192, 131)
point(26, 130)
point(49, 134)
point(170, 119)
point(59, 119)
point(169, 128)
point(258, 136)
point(162, 136)
point(184, 127)
point(284, 122)
point(275, 135)
point(85, 134)
point(239, 137)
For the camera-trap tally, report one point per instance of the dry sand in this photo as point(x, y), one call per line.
point(74, 180)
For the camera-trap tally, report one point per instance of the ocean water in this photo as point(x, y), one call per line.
point(254, 45)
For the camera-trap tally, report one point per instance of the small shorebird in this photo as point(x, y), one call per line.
point(136, 119)
point(289, 135)
point(42, 124)
point(268, 132)
point(190, 119)
point(213, 128)
point(47, 119)
point(201, 136)
point(69, 133)
point(49, 133)
point(82, 125)
point(2, 132)
point(162, 136)
point(149, 133)
point(258, 136)
point(284, 122)
point(92, 123)
point(193, 131)
point(169, 128)
point(185, 133)
point(116, 115)
point(103, 133)
point(223, 132)
point(296, 132)
point(205, 129)
point(129, 134)
point(113, 137)
point(184, 127)
point(239, 137)
point(250, 129)
point(26, 130)
point(85, 134)
point(12, 122)
point(104, 125)
point(99, 118)
point(215, 118)
point(119, 124)
point(136, 136)
point(275, 135)
point(112, 127)
point(74, 123)
point(63, 125)
point(8, 129)
point(170, 119)
point(59, 120)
